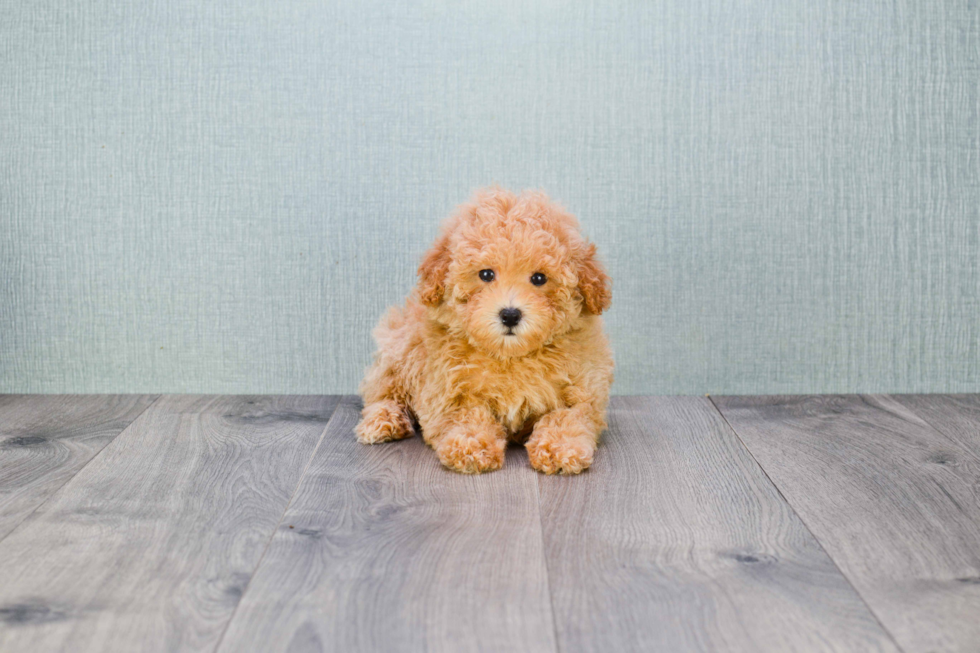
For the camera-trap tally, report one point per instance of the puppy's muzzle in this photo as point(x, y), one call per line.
point(510, 317)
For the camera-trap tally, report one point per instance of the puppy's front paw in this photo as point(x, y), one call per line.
point(471, 450)
point(383, 421)
point(553, 451)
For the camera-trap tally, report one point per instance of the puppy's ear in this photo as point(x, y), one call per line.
point(433, 271)
point(593, 282)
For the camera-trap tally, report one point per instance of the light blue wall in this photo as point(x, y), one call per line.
point(223, 196)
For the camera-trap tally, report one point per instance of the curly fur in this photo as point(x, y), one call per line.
point(446, 361)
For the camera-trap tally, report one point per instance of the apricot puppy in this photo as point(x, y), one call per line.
point(501, 339)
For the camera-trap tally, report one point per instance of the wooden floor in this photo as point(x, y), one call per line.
point(824, 523)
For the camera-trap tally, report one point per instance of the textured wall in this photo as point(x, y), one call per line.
point(223, 196)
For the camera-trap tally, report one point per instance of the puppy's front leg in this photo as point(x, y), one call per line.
point(564, 440)
point(469, 440)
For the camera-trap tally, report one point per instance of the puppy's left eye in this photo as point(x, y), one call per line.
point(538, 279)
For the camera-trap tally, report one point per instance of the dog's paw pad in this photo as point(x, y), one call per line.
point(560, 456)
point(471, 452)
point(381, 422)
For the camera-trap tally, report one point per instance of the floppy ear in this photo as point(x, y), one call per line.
point(593, 282)
point(433, 271)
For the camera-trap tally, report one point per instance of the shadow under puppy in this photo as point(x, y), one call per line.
point(501, 339)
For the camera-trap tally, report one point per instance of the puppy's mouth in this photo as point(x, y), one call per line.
point(510, 332)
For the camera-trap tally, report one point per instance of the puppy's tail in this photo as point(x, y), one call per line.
point(391, 324)
point(398, 358)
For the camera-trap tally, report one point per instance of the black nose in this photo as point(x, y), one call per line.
point(510, 316)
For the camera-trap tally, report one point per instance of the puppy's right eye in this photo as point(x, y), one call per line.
point(486, 275)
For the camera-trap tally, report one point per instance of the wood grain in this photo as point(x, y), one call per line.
point(385, 550)
point(46, 439)
point(150, 546)
point(955, 416)
point(675, 540)
point(894, 502)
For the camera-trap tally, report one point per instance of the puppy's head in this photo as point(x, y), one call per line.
point(510, 273)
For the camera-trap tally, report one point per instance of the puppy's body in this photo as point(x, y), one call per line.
point(472, 381)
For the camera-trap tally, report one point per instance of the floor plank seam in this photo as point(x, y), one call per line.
point(77, 471)
point(272, 536)
point(951, 440)
point(806, 526)
point(547, 572)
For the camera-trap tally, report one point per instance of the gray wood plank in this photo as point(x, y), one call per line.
point(675, 540)
point(149, 547)
point(385, 550)
point(955, 416)
point(894, 502)
point(46, 439)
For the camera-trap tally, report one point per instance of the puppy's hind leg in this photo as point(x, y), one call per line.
point(382, 421)
point(386, 415)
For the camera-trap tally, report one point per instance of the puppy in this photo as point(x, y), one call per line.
point(501, 339)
